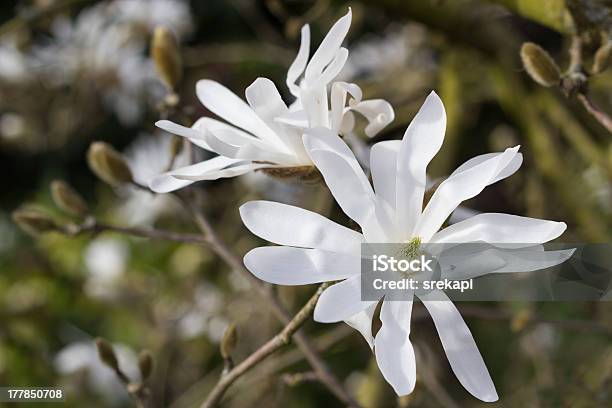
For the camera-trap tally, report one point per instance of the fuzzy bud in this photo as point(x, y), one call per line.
point(228, 344)
point(108, 164)
point(539, 65)
point(166, 56)
point(145, 364)
point(34, 222)
point(602, 58)
point(107, 354)
point(67, 199)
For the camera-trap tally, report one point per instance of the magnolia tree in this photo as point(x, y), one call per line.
point(372, 188)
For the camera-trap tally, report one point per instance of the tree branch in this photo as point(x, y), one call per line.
point(278, 341)
point(92, 225)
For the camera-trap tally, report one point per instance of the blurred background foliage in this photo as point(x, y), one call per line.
point(76, 71)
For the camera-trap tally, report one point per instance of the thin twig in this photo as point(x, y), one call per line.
point(93, 226)
point(597, 113)
point(274, 344)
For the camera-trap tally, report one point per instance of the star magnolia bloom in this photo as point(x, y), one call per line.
point(266, 133)
point(315, 249)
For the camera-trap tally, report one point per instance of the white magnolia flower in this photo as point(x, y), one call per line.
point(265, 132)
point(314, 249)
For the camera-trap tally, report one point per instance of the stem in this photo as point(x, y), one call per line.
point(275, 343)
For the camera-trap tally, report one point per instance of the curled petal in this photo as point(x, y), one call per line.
point(378, 112)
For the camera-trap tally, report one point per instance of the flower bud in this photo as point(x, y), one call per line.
point(145, 364)
point(107, 354)
point(539, 65)
point(108, 164)
point(228, 344)
point(34, 222)
point(67, 199)
point(602, 58)
point(166, 56)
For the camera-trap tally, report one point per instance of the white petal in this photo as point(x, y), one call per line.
point(461, 186)
point(297, 66)
point(457, 266)
point(460, 348)
point(334, 68)
point(394, 352)
point(378, 112)
point(362, 322)
point(356, 201)
point(383, 162)
point(501, 229)
point(225, 104)
point(192, 133)
point(228, 143)
point(509, 170)
point(329, 47)
point(298, 266)
point(284, 224)
point(341, 301)
point(339, 91)
point(297, 119)
point(232, 171)
point(529, 260)
point(421, 142)
point(265, 100)
point(314, 101)
point(167, 182)
point(325, 139)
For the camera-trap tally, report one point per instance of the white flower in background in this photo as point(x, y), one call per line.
point(106, 260)
point(93, 49)
point(265, 132)
point(105, 46)
point(173, 14)
point(376, 55)
point(314, 249)
point(14, 63)
point(82, 356)
point(203, 316)
point(12, 126)
point(148, 156)
point(402, 50)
